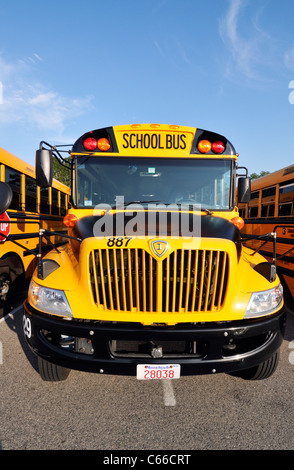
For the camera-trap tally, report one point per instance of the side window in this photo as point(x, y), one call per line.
point(55, 205)
point(285, 209)
point(13, 178)
point(44, 202)
point(30, 194)
point(254, 195)
point(267, 210)
point(253, 211)
point(271, 210)
point(286, 197)
point(63, 208)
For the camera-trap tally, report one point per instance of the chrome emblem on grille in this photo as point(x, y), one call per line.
point(159, 247)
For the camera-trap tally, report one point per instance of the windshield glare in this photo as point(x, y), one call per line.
point(100, 180)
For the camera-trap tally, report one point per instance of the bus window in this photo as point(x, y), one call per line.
point(254, 195)
point(44, 203)
point(253, 211)
point(168, 180)
point(271, 210)
point(30, 194)
point(54, 204)
point(13, 178)
point(242, 212)
point(269, 192)
point(285, 209)
point(267, 210)
point(268, 202)
point(63, 208)
point(264, 209)
point(286, 197)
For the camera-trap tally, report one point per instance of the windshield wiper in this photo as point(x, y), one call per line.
point(202, 209)
point(125, 204)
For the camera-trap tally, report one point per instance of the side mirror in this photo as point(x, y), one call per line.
point(44, 168)
point(5, 197)
point(244, 189)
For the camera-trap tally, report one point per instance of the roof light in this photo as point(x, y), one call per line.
point(238, 222)
point(70, 220)
point(103, 144)
point(218, 146)
point(90, 143)
point(204, 146)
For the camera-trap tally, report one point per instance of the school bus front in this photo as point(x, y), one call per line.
point(154, 280)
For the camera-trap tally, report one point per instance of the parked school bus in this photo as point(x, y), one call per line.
point(269, 224)
point(30, 208)
point(154, 281)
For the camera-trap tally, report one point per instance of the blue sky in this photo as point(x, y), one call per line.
point(70, 66)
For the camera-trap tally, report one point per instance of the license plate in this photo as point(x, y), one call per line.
point(158, 371)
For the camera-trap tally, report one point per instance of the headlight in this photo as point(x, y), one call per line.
point(48, 300)
point(265, 302)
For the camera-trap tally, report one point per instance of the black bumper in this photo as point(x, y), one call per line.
point(198, 348)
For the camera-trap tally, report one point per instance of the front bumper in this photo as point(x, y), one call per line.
point(117, 348)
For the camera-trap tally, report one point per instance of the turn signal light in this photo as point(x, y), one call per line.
point(70, 220)
point(238, 222)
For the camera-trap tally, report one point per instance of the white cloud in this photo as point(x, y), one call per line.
point(289, 58)
point(248, 54)
point(32, 104)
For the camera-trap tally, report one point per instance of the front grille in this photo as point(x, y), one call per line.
point(132, 280)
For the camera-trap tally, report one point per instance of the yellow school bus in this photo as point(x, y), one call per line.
point(154, 281)
point(269, 224)
point(30, 209)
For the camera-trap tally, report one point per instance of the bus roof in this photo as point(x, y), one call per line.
point(279, 176)
point(20, 165)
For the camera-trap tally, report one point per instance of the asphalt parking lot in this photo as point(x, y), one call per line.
point(91, 411)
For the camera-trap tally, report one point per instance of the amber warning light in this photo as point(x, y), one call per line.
point(238, 222)
point(70, 220)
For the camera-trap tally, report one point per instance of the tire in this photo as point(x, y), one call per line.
point(12, 270)
point(262, 371)
point(52, 372)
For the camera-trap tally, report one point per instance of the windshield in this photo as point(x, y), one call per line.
point(100, 180)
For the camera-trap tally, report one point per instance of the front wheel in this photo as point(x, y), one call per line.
point(51, 372)
point(262, 371)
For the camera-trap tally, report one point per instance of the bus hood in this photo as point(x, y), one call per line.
point(156, 224)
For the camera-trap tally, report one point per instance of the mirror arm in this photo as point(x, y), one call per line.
point(57, 153)
point(242, 168)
